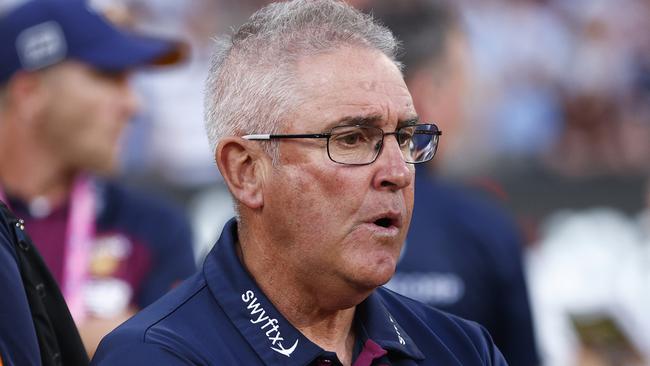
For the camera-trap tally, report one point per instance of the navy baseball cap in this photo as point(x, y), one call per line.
point(41, 33)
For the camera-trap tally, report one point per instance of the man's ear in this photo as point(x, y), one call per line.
point(25, 94)
point(242, 167)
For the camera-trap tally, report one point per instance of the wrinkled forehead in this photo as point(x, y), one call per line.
point(347, 83)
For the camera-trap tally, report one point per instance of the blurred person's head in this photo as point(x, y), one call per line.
point(336, 199)
point(64, 75)
point(435, 57)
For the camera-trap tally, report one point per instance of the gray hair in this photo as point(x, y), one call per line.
point(251, 82)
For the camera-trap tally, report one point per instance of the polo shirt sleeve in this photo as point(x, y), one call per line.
point(18, 343)
point(515, 334)
point(510, 323)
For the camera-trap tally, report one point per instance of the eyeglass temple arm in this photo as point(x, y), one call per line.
point(257, 137)
point(291, 136)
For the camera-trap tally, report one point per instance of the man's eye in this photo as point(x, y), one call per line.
point(404, 137)
point(350, 139)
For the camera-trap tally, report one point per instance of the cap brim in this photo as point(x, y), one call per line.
point(125, 51)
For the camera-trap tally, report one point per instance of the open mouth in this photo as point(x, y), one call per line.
point(385, 222)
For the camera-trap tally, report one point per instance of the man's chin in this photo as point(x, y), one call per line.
point(375, 277)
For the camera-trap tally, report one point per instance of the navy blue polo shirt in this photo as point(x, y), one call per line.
point(220, 317)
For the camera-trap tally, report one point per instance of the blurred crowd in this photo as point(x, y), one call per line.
point(553, 119)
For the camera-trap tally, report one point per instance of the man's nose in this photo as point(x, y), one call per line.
point(393, 173)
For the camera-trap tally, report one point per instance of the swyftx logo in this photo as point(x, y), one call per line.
point(266, 323)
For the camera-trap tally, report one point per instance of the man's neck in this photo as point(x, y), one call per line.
point(333, 333)
point(315, 313)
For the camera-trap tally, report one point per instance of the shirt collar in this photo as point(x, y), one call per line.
point(272, 337)
point(380, 326)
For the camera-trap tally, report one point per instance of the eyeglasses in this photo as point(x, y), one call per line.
point(361, 145)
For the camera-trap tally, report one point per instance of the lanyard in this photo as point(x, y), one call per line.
point(79, 236)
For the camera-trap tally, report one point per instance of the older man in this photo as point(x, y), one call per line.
point(315, 134)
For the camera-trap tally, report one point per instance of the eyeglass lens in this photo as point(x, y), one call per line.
point(358, 145)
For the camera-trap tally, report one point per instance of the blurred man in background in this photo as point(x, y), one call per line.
point(64, 100)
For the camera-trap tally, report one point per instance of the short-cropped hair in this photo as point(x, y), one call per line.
point(251, 83)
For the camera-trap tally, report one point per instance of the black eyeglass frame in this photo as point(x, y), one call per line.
point(327, 135)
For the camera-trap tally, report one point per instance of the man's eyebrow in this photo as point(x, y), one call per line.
point(357, 120)
point(409, 122)
point(363, 120)
point(370, 120)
